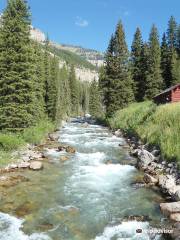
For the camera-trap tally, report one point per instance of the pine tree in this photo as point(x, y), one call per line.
point(122, 84)
point(17, 70)
point(165, 62)
point(39, 81)
point(136, 58)
point(107, 78)
point(145, 67)
point(52, 88)
point(172, 33)
point(95, 108)
point(74, 92)
point(178, 41)
point(117, 84)
point(154, 82)
point(47, 72)
point(175, 68)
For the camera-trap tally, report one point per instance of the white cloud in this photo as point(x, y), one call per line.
point(81, 22)
point(126, 13)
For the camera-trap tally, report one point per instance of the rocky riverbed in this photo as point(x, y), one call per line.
point(158, 172)
point(81, 184)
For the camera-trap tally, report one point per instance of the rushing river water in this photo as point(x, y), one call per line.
point(84, 198)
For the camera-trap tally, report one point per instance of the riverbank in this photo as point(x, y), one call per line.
point(152, 135)
point(14, 146)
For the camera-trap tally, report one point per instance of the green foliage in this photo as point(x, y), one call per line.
point(117, 83)
point(17, 68)
point(74, 91)
point(155, 125)
point(10, 141)
point(137, 65)
point(71, 58)
point(37, 133)
point(95, 108)
point(154, 81)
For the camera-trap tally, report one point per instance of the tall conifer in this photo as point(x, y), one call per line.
point(154, 82)
point(136, 58)
point(17, 92)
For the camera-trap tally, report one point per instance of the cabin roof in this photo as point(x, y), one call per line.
point(168, 90)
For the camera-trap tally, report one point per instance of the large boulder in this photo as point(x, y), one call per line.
point(36, 165)
point(170, 208)
point(149, 179)
point(144, 158)
point(175, 217)
point(167, 183)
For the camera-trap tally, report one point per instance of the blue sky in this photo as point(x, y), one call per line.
point(90, 23)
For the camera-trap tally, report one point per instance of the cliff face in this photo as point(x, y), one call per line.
point(92, 56)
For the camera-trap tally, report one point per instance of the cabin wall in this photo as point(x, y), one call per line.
point(176, 95)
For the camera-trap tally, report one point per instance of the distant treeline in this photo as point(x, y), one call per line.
point(142, 73)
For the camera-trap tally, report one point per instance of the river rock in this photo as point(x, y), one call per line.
point(167, 183)
point(54, 136)
point(12, 180)
point(175, 217)
point(149, 179)
point(170, 208)
point(12, 166)
point(70, 149)
point(137, 218)
point(36, 165)
point(177, 195)
point(64, 158)
point(144, 158)
point(118, 133)
point(155, 152)
point(24, 165)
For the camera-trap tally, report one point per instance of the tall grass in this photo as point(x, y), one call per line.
point(158, 125)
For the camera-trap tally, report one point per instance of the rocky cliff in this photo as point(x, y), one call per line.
point(85, 72)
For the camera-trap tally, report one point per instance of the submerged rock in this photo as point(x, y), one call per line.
point(36, 165)
point(64, 158)
point(149, 179)
point(25, 209)
point(70, 149)
point(137, 218)
point(12, 180)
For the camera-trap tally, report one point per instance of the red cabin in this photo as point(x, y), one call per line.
point(169, 95)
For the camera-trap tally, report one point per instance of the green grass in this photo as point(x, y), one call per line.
point(36, 134)
point(10, 142)
point(157, 125)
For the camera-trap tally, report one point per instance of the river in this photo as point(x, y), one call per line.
point(84, 198)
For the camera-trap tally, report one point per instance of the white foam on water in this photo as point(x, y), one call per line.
point(99, 178)
point(10, 229)
point(126, 231)
point(91, 158)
